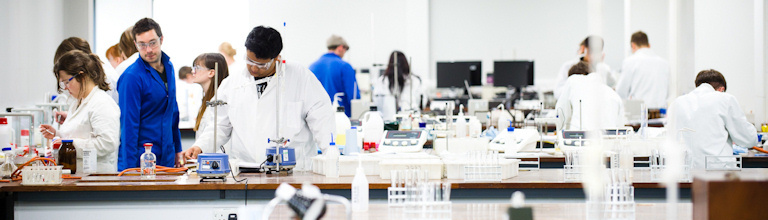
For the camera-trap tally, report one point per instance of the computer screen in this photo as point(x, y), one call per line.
point(512, 73)
point(453, 74)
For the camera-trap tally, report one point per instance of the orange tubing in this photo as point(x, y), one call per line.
point(157, 169)
point(760, 149)
point(17, 173)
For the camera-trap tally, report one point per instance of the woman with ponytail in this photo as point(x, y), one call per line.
point(93, 118)
point(204, 73)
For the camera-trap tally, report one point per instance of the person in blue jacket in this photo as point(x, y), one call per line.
point(148, 102)
point(335, 74)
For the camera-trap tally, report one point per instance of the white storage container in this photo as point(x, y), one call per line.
point(433, 166)
point(454, 169)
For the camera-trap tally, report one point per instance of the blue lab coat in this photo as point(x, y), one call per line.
point(336, 76)
point(149, 114)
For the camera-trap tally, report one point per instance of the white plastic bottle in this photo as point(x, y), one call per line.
point(148, 162)
point(331, 161)
point(24, 140)
point(342, 124)
point(351, 142)
point(360, 190)
point(461, 125)
point(373, 125)
point(475, 128)
point(5, 133)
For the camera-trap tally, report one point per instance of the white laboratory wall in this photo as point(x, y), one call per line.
point(32, 30)
point(548, 32)
point(112, 17)
point(200, 26)
point(724, 41)
point(373, 29)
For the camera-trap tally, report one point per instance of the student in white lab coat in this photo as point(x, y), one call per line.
point(76, 43)
point(204, 74)
point(644, 75)
point(602, 69)
point(587, 103)
point(114, 56)
point(248, 118)
point(710, 119)
point(94, 118)
point(408, 88)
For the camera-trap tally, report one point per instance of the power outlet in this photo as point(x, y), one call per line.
point(224, 213)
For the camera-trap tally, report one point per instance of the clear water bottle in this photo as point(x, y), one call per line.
point(148, 162)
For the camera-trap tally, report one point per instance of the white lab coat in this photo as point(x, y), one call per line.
point(606, 76)
point(716, 120)
point(112, 80)
point(645, 76)
point(306, 115)
point(385, 100)
point(125, 64)
point(95, 124)
point(600, 106)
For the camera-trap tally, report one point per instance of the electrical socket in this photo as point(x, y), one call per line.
point(223, 213)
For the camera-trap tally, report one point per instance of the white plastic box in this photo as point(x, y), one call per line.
point(434, 166)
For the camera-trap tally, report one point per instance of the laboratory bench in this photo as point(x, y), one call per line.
point(541, 211)
point(751, 160)
point(178, 188)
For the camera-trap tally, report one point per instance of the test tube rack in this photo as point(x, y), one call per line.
point(39, 175)
point(483, 166)
point(659, 164)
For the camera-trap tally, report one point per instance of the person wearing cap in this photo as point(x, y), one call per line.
point(709, 120)
point(336, 75)
point(248, 119)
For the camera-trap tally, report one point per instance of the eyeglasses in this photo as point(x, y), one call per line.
point(198, 68)
point(152, 44)
point(257, 64)
point(66, 84)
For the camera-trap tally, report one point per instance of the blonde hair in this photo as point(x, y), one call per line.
point(227, 49)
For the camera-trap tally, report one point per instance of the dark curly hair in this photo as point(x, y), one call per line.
point(264, 42)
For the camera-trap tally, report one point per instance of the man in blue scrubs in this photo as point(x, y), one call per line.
point(149, 113)
point(335, 74)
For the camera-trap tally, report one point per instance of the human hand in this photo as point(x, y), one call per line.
point(60, 117)
point(192, 152)
point(48, 131)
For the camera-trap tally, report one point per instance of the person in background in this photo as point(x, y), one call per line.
point(204, 74)
point(587, 103)
point(248, 118)
point(606, 76)
point(710, 120)
point(76, 43)
point(150, 113)
point(188, 95)
point(128, 51)
point(114, 56)
point(644, 75)
point(336, 75)
point(94, 118)
point(229, 53)
point(408, 87)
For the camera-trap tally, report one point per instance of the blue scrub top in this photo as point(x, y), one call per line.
point(149, 114)
point(336, 76)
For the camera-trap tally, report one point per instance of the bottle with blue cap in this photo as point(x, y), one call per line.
point(331, 160)
point(351, 142)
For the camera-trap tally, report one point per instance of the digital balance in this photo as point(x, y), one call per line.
point(403, 141)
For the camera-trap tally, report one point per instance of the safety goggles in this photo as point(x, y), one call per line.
point(257, 64)
point(66, 84)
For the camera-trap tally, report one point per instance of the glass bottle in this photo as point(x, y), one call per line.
point(148, 162)
point(68, 156)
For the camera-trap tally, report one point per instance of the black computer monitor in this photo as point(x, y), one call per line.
point(512, 73)
point(453, 74)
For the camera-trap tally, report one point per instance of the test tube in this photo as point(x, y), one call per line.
point(446, 192)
